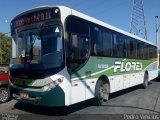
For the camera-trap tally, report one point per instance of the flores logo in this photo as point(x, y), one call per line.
point(127, 66)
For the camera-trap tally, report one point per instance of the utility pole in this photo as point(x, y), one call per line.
point(157, 27)
point(138, 22)
point(156, 30)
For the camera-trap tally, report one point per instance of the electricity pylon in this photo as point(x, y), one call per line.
point(138, 22)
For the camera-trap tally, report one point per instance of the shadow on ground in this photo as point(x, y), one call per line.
point(52, 111)
point(151, 111)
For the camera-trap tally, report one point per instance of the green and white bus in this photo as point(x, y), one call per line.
point(61, 57)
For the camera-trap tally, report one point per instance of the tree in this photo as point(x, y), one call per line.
point(5, 48)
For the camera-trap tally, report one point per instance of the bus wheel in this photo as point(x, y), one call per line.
point(4, 95)
point(101, 93)
point(145, 83)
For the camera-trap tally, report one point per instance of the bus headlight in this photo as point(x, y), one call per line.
point(52, 84)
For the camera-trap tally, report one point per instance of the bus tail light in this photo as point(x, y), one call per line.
point(52, 84)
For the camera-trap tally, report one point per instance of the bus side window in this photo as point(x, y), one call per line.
point(73, 47)
point(78, 51)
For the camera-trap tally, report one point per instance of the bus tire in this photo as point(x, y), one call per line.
point(101, 92)
point(4, 95)
point(145, 82)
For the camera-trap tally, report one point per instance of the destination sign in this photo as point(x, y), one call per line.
point(34, 17)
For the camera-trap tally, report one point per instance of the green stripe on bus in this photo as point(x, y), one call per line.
point(107, 63)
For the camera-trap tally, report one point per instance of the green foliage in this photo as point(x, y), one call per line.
point(5, 48)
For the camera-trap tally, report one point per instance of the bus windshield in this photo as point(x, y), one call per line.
point(38, 48)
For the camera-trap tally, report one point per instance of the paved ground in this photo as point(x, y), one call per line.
point(132, 101)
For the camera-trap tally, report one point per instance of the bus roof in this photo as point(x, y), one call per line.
point(91, 19)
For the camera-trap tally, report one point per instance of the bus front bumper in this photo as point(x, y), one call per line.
point(53, 97)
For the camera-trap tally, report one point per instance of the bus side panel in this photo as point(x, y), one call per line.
point(133, 80)
point(121, 82)
point(153, 74)
point(77, 91)
point(112, 84)
point(82, 90)
point(90, 88)
point(118, 82)
point(152, 70)
point(141, 78)
point(126, 80)
point(137, 80)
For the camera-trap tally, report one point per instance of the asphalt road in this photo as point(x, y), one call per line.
point(126, 104)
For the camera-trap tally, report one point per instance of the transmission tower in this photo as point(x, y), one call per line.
point(138, 23)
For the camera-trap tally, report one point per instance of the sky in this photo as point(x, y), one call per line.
point(113, 12)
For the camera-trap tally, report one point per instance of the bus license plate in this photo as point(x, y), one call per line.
point(24, 95)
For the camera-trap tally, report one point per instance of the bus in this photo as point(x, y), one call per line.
point(61, 57)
